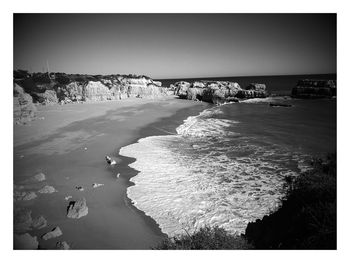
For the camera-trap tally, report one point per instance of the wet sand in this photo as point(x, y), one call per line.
point(69, 146)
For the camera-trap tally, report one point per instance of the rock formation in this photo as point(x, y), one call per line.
point(311, 89)
point(218, 91)
point(56, 232)
point(77, 209)
point(23, 196)
point(66, 88)
point(23, 107)
point(25, 241)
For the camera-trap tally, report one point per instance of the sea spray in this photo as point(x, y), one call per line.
point(208, 174)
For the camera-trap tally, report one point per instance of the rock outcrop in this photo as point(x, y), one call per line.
point(39, 222)
point(25, 241)
point(313, 89)
point(23, 107)
point(62, 245)
point(218, 91)
point(77, 209)
point(23, 195)
point(47, 189)
point(56, 232)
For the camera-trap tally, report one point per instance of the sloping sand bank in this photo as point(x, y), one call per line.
point(69, 145)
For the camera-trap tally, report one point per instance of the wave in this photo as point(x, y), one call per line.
point(205, 176)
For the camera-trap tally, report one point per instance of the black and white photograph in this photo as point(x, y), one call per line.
point(174, 131)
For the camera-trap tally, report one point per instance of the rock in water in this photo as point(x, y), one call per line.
point(25, 241)
point(47, 189)
point(62, 245)
point(56, 232)
point(39, 222)
point(22, 220)
point(77, 209)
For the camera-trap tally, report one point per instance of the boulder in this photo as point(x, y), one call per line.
point(77, 209)
point(39, 177)
point(25, 241)
point(22, 220)
point(39, 222)
point(62, 245)
point(95, 185)
point(56, 232)
point(47, 189)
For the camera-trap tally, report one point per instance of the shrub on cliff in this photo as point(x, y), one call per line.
point(307, 217)
point(205, 238)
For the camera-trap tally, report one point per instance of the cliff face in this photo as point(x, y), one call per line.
point(66, 88)
point(309, 89)
point(217, 91)
point(23, 107)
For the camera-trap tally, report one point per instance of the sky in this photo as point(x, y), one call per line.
point(176, 45)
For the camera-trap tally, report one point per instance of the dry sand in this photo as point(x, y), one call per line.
point(69, 145)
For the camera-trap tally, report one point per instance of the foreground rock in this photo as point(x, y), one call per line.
point(218, 91)
point(314, 89)
point(47, 189)
point(56, 232)
point(62, 245)
point(25, 241)
point(22, 220)
point(23, 107)
point(39, 222)
point(77, 209)
point(24, 196)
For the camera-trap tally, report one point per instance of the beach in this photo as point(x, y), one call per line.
point(68, 143)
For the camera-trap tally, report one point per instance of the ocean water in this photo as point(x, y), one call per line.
point(226, 166)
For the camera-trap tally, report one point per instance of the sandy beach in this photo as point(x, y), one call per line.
point(68, 143)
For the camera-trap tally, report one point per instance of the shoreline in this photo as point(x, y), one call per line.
point(112, 222)
point(179, 117)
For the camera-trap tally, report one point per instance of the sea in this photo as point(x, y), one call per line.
point(227, 165)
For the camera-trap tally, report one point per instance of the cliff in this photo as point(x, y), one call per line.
point(217, 91)
point(23, 107)
point(66, 88)
point(309, 89)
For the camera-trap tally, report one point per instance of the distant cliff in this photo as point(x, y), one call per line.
point(310, 89)
point(66, 88)
point(217, 91)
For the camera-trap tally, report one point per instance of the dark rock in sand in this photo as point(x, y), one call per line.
point(62, 245)
point(56, 232)
point(313, 89)
point(25, 241)
point(77, 209)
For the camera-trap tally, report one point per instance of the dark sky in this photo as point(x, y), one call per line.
point(176, 45)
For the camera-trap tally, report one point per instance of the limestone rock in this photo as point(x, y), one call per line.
point(39, 222)
point(39, 177)
point(77, 209)
point(47, 189)
point(62, 245)
point(25, 241)
point(23, 107)
point(56, 232)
